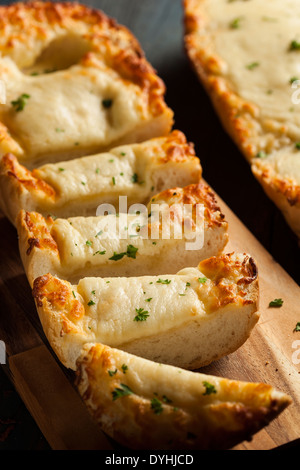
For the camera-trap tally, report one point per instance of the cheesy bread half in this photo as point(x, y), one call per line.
point(246, 54)
point(189, 319)
point(145, 405)
point(78, 187)
point(76, 83)
point(162, 239)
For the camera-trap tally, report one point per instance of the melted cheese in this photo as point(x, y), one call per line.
point(96, 175)
point(128, 295)
point(259, 65)
point(65, 114)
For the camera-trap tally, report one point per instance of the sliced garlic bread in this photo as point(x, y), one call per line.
point(76, 83)
point(125, 244)
point(246, 54)
point(188, 319)
point(144, 405)
point(78, 187)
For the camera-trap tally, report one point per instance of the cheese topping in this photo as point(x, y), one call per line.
point(67, 111)
point(129, 296)
point(258, 44)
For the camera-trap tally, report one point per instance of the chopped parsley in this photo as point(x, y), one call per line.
point(123, 154)
point(252, 66)
point(202, 280)
point(276, 303)
point(142, 314)
point(124, 368)
point(111, 373)
point(121, 392)
point(93, 292)
point(89, 243)
point(111, 160)
point(156, 406)
point(261, 154)
point(235, 24)
point(113, 180)
point(294, 79)
point(107, 103)
point(90, 303)
point(130, 253)
point(74, 294)
point(297, 327)
point(209, 388)
point(97, 171)
point(82, 182)
point(61, 169)
point(295, 45)
point(99, 253)
point(134, 178)
point(148, 300)
point(99, 233)
point(20, 103)
point(297, 145)
point(163, 281)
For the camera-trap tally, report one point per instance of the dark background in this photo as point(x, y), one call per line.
point(158, 25)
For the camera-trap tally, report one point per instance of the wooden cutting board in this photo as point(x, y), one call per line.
point(270, 355)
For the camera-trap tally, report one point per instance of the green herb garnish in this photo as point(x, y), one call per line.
point(276, 303)
point(142, 314)
point(209, 388)
point(111, 373)
point(121, 392)
point(156, 406)
point(20, 103)
point(163, 281)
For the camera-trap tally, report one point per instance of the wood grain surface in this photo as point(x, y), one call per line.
point(267, 355)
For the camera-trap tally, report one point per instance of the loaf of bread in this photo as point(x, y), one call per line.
point(76, 83)
point(189, 319)
point(145, 405)
point(78, 187)
point(165, 238)
point(247, 57)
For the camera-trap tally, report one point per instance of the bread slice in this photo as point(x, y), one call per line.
point(144, 405)
point(246, 55)
point(78, 187)
point(125, 244)
point(189, 319)
point(76, 83)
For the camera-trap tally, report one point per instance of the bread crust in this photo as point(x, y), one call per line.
point(168, 408)
point(167, 160)
point(188, 334)
point(26, 29)
point(240, 118)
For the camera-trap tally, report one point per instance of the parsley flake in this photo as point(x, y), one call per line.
point(121, 392)
point(156, 406)
point(202, 280)
point(163, 281)
point(124, 368)
point(20, 103)
point(209, 388)
point(111, 373)
point(142, 314)
point(276, 303)
point(295, 45)
point(297, 327)
point(90, 303)
point(252, 66)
